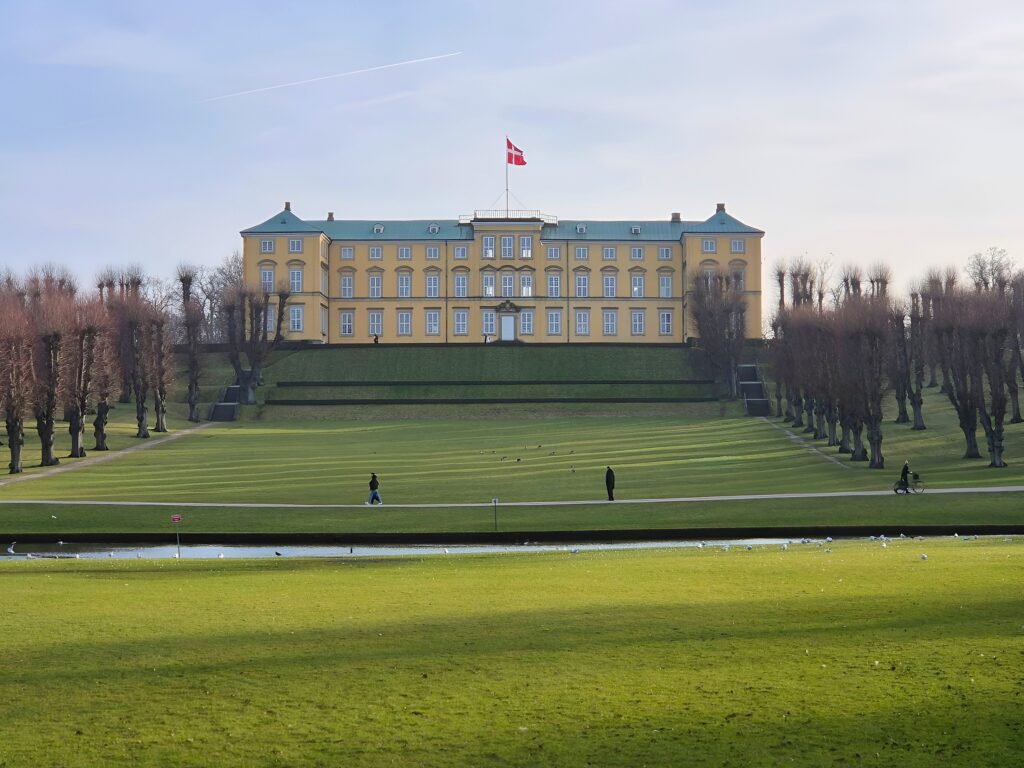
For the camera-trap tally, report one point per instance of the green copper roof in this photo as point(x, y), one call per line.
point(287, 222)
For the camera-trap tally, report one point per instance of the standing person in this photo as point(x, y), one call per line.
point(374, 485)
point(609, 483)
point(376, 339)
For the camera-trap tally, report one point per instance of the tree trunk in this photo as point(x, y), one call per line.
point(915, 405)
point(858, 453)
point(160, 411)
point(193, 400)
point(141, 413)
point(778, 401)
point(45, 429)
point(15, 439)
point(875, 441)
point(902, 417)
point(932, 381)
point(995, 449)
point(819, 421)
point(126, 391)
point(844, 436)
point(1014, 392)
point(809, 411)
point(830, 417)
point(99, 425)
point(798, 410)
point(76, 428)
point(971, 438)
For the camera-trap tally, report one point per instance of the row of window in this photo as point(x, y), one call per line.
point(488, 284)
point(507, 249)
point(488, 322)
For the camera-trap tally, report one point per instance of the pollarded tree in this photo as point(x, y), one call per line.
point(719, 310)
point(80, 364)
point(16, 342)
point(106, 379)
point(160, 351)
point(192, 314)
point(247, 316)
point(990, 323)
point(956, 362)
point(51, 294)
point(898, 360)
point(916, 356)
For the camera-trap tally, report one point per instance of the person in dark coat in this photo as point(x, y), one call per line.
point(374, 485)
point(609, 483)
point(905, 474)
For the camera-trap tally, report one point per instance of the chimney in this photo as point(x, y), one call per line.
point(330, 215)
point(676, 216)
point(720, 208)
point(287, 206)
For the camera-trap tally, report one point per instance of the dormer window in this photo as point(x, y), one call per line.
point(433, 229)
point(378, 229)
point(581, 229)
point(635, 229)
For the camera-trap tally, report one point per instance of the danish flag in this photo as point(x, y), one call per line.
point(513, 154)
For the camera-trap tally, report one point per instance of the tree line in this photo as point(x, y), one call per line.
point(839, 350)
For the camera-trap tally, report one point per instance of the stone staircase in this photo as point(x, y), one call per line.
point(226, 408)
point(752, 389)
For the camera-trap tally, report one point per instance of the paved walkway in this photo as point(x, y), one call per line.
point(506, 504)
point(98, 457)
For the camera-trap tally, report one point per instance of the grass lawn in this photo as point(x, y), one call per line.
point(865, 656)
point(513, 458)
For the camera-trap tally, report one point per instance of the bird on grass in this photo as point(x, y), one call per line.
point(10, 548)
point(53, 516)
point(924, 556)
point(278, 554)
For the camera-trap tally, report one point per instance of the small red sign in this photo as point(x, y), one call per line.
point(175, 518)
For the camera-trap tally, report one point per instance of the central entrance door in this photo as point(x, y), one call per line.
point(508, 328)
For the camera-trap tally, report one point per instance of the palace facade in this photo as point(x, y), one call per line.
point(497, 276)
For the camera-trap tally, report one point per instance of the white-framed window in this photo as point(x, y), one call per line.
point(404, 252)
point(433, 285)
point(582, 285)
point(378, 229)
point(347, 322)
point(610, 322)
point(404, 285)
point(433, 252)
point(266, 246)
point(271, 320)
point(665, 322)
point(554, 285)
point(709, 245)
point(635, 229)
point(508, 282)
point(665, 253)
point(609, 283)
point(461, 285)
point(636, 322)
point(375, 322)
point(432, 319)
point(636, 285)
point(295, 280)
point(582, 322)
point(487, 284)
point(295, 245)
point(461, 322)
point(526, 322)
point(581, 229)
point(375, 285)
point(376, 252)
point(608, 253)
point(526, 246)
point(404, 322)
point(433, 229)
point(738, 275)
point(526, 284)
point(461, 252)
point(348, 252)
point(348, 281)
point(324, 279)
point(323, 321)
point(487, 317)
point(295, 318)
point(506, 246)
point(488, 246)
point(665, 286)
point(554, 322)
point(267, 279)
point(738, 246)
point(582, 252)
point(636, 253)
point(554, 252)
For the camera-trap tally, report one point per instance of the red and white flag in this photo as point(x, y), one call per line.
point(513, 154)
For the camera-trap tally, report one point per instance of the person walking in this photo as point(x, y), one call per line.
point(609, 483)
point(374, 494)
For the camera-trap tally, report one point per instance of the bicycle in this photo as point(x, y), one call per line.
point(915, 485)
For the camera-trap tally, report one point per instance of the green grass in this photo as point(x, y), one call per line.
point(865, 656)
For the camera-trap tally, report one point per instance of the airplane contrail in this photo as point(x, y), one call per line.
point(330, 77)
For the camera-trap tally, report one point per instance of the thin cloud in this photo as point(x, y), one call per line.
point(330, 77)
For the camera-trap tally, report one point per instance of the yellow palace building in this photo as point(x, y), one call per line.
point(497, 276)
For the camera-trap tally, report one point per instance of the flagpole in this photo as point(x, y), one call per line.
point(506, 177)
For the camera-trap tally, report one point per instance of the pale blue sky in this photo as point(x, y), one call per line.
point(869, 130)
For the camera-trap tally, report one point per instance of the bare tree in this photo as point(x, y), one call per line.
point(192, 312)
point(16, 342)
point(956, 360)
point(80, 363)
point(247, 315)
point(719, 310)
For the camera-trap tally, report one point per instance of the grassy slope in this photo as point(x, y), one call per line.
point(864, 656)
